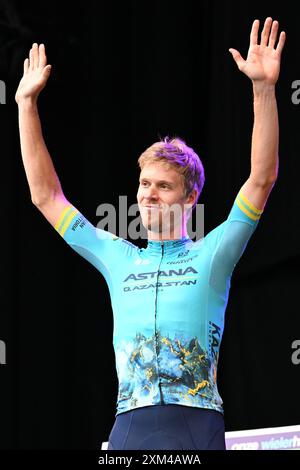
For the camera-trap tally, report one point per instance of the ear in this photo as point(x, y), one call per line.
point(192, 198)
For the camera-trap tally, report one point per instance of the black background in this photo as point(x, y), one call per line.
point(124, 74)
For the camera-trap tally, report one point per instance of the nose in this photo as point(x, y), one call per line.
point(151, 192)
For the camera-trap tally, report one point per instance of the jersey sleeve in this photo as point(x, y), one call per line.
point(101, 248)
point(232, 238)
point(244, 211)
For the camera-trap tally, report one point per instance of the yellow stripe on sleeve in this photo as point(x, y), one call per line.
point(65, 219)
point(246, 211)
point(61, 217)
point(249, 204)
point(67, 222)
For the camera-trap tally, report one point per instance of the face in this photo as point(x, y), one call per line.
point(161, 200)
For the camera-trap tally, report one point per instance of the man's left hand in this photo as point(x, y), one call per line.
point(263, 60)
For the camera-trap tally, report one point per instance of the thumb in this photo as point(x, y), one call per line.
point(237, 57)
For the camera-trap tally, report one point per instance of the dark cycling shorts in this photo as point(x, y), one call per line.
point(168, 427)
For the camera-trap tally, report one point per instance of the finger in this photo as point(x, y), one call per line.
point(265, 32)
point(31, 59)
point(46, 72)
point(42, 56)
point(26, 66)
point(35, 55)
point(254, 32)
point(273, 34)
point(237, 57)
point(281, 42)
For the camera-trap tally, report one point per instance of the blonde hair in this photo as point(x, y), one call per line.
point(175, 152)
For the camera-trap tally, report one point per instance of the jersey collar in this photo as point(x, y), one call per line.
point(167, 246)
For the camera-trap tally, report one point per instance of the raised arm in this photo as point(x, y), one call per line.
point(45, 189)
point(262, 66)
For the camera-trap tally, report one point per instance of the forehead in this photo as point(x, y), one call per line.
point(160, 171)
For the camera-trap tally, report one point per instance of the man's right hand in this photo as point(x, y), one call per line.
point(36, 74)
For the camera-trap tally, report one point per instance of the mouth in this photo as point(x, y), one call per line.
point(153, 208)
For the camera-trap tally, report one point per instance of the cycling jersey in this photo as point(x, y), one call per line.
point(168, 303)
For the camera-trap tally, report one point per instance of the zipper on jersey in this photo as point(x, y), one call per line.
point(155, 323)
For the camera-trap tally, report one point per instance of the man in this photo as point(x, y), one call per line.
point(169, 299)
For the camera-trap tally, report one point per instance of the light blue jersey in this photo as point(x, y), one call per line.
point(168, 302)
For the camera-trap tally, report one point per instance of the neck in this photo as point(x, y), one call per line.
point(172, 234)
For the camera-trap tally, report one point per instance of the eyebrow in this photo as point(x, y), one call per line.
point(158, 182)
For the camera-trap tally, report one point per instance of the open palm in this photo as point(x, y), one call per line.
point(263, 60)
point(36, 73)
